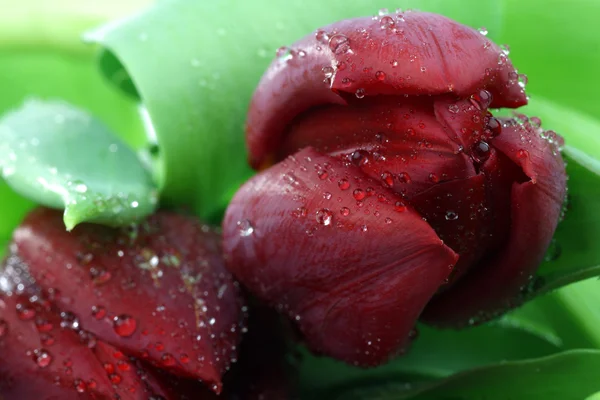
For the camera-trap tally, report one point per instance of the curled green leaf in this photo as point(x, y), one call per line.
point(60, 156)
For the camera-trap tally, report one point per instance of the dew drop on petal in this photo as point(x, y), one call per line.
point(359, 194)
point(451, 215)
point(344, 184)
point(380, 76)
point(245, 227)
point(339, 44)
point(345, 211)
point(168, 360)
point(98, 312)
point(494, 126)
point(124, 325)
point(386, 22)
point(360, 93)
point(481, 151)
point(400, 206)
point(42, 358)
point(324, 216)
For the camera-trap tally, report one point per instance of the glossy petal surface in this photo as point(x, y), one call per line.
point(416, 54)
point(158, 292)
point(535, 209)
point(338, 260)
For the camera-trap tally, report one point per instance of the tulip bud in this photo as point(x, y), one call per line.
point(389, 192)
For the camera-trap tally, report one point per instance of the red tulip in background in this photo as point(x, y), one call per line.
point(106, 313)
point(389, 191)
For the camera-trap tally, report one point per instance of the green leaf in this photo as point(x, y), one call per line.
point(570, 375)
point(61, 157)
point(211, 57)
point(435, 354)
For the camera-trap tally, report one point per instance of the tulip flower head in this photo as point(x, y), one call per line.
point(388, 190)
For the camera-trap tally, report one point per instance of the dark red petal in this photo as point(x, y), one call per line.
point(401, 143)
point(458, 211)
point(465, 121)
point(158, 292)
point(339, 260)
point(43, 360)
point(535, 210)
point(417, 54)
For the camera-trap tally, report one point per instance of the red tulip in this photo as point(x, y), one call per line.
point(389, 192)
point(157, 293)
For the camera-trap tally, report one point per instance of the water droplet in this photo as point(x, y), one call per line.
point(123, 366)
point(481, 151)
point(400, 206)
point(388, 220)
point(24, 313)
point(359, 194)
point(344, 184)
point(322, 174)
point(322, 36)
point(522, 154)
point(394, 63)
point(453, 108)
point(388, 178)
point(46, 339)
point(522, 79)
point(283, 51)
point(99, 276)
point(433, 178)
point(98, 312)
point(360, 93)
point(359, 157)
point(245, 228)
point(324, 216)
point(380, 76)
point(42, 358)
point(327, 196)
point(494, 126)
point(481, 100)
point(364, 228)
point(339, 44)
point(345, 211)
point(505, 49)
point(383, 11)
point(404, 177)
point(168, 360)
point(483, 31)
point(43, 325)
point(115, 379)
point(387, 22)
point(451, 215)
point(423, 69)
point(79, 385)
point(124, 325)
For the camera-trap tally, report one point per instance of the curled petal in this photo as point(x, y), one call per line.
point(413, 54)
point(396, 141)
point(535, 207)
point(326, 244)
point(158, 292)
point(458, 211)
